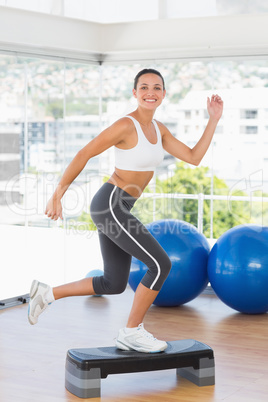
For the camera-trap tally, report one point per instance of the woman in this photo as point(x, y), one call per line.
point(139, 142)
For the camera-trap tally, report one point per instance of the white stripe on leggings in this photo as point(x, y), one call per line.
point(115, 218)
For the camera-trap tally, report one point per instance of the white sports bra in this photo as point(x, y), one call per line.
point(145, 156)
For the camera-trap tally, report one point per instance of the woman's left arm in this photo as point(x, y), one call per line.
point(195, 155)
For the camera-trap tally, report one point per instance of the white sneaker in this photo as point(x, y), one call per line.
point(139, 340)
point(38, 302)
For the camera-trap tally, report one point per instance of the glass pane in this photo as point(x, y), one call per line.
point(82, 124)
point(12, 105)
point(43, 6)
point(12, 101)
point(107, 11)
point(45, 135)
point(38, 164)
point(239, 151)
point(205, 8)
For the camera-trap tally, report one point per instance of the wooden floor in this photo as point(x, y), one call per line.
point(32, 358)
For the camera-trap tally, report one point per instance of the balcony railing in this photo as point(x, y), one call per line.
point(200, 197)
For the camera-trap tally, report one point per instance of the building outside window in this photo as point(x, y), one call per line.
point(249, 114)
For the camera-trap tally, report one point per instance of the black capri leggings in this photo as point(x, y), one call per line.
point(122, 236)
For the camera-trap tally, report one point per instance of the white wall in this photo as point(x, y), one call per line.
point(239, 35)
point(52, 256)
point(33, 32)
point(222, 36)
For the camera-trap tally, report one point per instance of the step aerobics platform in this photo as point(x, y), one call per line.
point(85, 367)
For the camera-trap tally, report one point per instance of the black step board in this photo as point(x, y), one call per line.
point(85, 367)
point(110, 360)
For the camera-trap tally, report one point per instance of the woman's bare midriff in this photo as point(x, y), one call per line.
point(132, 182)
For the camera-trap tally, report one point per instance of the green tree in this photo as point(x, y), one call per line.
point(193, 181)
point(55, 109)
point(82, 223)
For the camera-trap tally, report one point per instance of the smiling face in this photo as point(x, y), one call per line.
point(150, 91)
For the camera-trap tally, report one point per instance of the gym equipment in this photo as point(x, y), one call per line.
point(238, 268)
point(188, 251)
point(94, 272)
point(85, 367)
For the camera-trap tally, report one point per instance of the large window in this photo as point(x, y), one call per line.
point(51, 109)
point(107, 11)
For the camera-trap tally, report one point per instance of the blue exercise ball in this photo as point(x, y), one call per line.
point(188, 251)
point(94, 272)
point(238, 268)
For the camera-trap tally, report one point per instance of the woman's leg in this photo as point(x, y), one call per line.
point(83, 287)
point(123, 235)
point(114, 281)
point(116, 267)
point(134, 238)
point(143, 299)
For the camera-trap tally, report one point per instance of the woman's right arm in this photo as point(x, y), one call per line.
point(113, 135)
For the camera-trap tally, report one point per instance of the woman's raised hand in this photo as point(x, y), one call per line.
point(215, 107)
